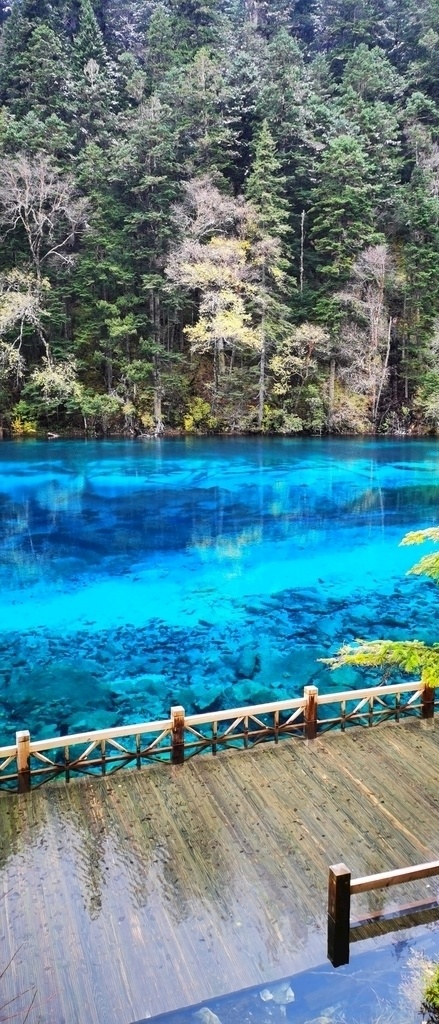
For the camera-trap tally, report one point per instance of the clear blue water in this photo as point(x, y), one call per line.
point(381, 986)
point(207, 572)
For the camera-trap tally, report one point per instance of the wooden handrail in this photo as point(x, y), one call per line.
point(303, 719)
point(340, 890)
point(396, 877)
point(144, 728)
point(370, 691)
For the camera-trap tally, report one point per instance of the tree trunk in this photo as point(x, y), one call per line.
point(263, 360)
point(302, 244)
point(157, 399)
point(154, 310)
point(253, 13)
point(221, 357)
point(383, 373)
point(262, 384)
point(331, 391)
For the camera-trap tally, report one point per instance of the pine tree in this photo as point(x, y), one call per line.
point(93, 83)
point(198, 96)
point(161, 51)
point(32, 63)
point(343, 208)
point(268, 16)
point(88, 42)
point(196, 22)
point(265, 190)
point(419, 263)
point(265, 186)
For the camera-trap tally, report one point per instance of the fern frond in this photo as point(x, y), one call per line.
point(428, 566)
point(419, 536)
point(411, 656)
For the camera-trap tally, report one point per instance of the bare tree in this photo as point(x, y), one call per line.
point(205, 211)
point(41, 202)
point(19, 305)
point(371, 275)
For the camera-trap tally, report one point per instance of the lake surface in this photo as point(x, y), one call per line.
point(204, 572)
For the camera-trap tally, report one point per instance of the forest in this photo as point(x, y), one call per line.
point(219, 216)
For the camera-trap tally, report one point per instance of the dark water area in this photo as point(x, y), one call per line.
point(381, 986)
point(204, 572)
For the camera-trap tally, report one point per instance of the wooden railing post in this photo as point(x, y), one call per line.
point(339, 912)
point(310, 711)
point(22, 740)
point(177, 716)
point(428, 702)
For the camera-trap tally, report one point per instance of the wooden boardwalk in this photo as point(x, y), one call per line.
point(132, 895)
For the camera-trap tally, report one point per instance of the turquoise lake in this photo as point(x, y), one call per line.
point(204, 572)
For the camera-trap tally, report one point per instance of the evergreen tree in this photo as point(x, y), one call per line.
point(322, 117)
point(93, 85)
point(419, 263)
point(198, 96)
point(32, 63)
point(343, 212)
point(266, 186)
point(196, 22)
point(265, 190)
point(88, 42)
point(161, 51)
point(341, 25)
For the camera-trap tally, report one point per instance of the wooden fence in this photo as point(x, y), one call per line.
point(340, 890)
point(30, 762)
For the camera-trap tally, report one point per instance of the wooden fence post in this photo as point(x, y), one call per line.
point(339, 912)
point(177, 716)
point(22, 740)
point(310, 711)
point(428, 702)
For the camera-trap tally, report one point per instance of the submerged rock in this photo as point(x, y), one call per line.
point(206, 1016)
point(248, 663)
point(281, 993)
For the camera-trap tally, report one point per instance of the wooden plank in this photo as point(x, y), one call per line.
point(143, 891)
point(396, 877)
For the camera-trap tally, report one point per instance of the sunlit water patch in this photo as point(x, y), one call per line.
point(211, 573)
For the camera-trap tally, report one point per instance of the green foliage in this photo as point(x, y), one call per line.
point(371, 75)
point(266, 186)
point(100, 412)
point(429, 564)
point(430, 1003)
point(279, 421)
point(430, 1006)
point(343, 208)
point(410, 656)
point(317, 125)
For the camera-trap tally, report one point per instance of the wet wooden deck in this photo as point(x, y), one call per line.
point(129, 896)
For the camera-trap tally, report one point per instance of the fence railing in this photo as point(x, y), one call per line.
point(30, 762)
point(340, 889)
